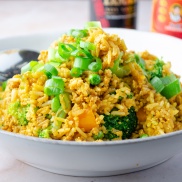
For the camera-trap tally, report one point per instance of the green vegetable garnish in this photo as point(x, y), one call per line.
point(55, 104)
point(157, 84)
point(126, 124)
point(171, 89)
point(54, 86)
point(167, 86)
point(77, 33)
point(76, 72)
point(50, 70)
point(93, 24)
point(94, 79)
point(95, 66)
point(19, 112)
point(65, 50)
point(82, 63)
point(87, 45)
point(28, 67)
point(144, 136)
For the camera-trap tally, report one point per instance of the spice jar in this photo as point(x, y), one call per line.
point(167, 17)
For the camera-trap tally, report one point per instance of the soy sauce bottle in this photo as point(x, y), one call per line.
point(114, 13)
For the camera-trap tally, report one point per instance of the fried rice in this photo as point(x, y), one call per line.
point(89, 104)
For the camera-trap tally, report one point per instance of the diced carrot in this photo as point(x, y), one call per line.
point(141, 115)
point(87, 120)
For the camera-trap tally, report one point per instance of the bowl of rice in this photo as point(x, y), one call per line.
point(98, 102)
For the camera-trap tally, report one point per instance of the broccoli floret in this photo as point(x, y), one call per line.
point(157, 70)
point(100, 135)
point(126, 124)
point(19, 112)
point(4, 84)
point(45, 133)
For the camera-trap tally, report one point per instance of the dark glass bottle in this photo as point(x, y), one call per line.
point(114, 13)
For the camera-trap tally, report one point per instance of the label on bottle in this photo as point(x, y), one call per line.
point(116, 13)
point(167, 17)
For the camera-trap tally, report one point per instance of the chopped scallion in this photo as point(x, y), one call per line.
point(54, 86)
point(168, 79)
point(50, 70)
point(81, 62)
point(95, 66)
point(38, 67)
point(76, 72)
point(120, 70)
point(65, 50)
point(61, 113)
point(82, 53)
point(171, 89)
point(52, 91)
point(77, 33)
point(55, 104)
point(53, 56)
point(93, 24)
point(157, 84)
point(87, 45)
point(168, 86)
point(28, 67)
point(65, 102)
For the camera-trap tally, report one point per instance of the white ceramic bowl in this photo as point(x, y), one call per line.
point(104, 158)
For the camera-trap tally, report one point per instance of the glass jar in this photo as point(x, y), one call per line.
point(114, 13)
point(167, 17)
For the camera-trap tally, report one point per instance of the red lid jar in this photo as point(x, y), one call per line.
point(167, 17)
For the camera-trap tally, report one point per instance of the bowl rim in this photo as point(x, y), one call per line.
point(90, 143)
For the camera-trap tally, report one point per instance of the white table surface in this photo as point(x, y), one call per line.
point(22, 17)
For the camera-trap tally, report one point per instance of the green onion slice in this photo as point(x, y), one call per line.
point(120, 70)
point(87, 45)
point(28, 67)
point(50, 70)
point(53, 56)
point(81, 62)
point(171, 89)
point(76, 72)
point(168, 86)
point(38, 67)
point(61, 113)
point(54, 63)
point(54, 86)
point(140, 61)
point(65, 102)
point(95, 66)
point(52, 91)
point(168, 79)
point(157, 84)
point(93, 24)
point(82, 53)
point(77, 33)
point(65, 50)
point(55, 104)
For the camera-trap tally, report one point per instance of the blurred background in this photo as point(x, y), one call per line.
point(31, 16)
